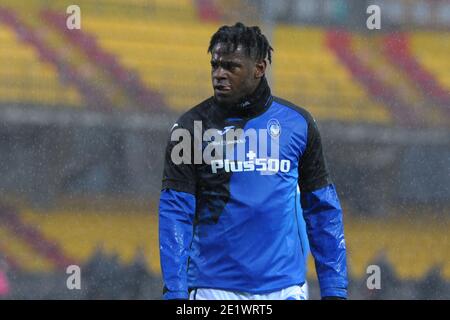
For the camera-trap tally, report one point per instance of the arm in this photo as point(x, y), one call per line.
point(323, 217)
point(176, 218)
point(176, 214)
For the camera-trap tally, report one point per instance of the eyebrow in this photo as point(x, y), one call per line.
point(231, 61)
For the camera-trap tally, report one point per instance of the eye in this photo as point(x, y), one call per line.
point(230, 66)
point(227, 65)
point(214, 64)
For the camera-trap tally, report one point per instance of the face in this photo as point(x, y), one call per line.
point(234, 74)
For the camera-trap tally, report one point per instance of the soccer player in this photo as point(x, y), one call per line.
point(228, 225)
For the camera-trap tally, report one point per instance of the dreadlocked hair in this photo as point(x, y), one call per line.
point(251, 39)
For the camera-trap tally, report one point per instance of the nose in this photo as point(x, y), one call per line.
point(219, 74)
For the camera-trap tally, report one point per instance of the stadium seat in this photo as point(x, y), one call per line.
point(20, 251)
point(27, 79)
point(306, 72)
point(413, 246)
point(433, 49)
point(80, 233)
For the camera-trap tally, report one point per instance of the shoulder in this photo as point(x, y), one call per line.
point(196, 113)
point(295, 108)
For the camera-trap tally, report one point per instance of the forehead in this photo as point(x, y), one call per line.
point(221, 52)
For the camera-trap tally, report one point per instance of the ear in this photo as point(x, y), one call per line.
point(260, 68)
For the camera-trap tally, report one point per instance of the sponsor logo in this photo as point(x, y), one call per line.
point(258, 164)
point(230, 149)
point(225, 130)
point(267, 165)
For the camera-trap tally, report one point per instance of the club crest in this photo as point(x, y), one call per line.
point(274, 128)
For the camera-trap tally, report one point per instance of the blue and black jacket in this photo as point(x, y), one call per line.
point(233, 226)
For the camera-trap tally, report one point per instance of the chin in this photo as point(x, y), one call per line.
point(225, 99)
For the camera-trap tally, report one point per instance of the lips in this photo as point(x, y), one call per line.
point(222, 88)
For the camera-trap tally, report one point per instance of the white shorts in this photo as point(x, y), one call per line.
point(289, 293)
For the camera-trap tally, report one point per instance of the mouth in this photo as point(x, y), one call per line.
point(222, 89)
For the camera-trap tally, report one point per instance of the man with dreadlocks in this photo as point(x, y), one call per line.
point(229, 226)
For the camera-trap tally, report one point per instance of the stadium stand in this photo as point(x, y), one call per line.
point(341, 42)
point(402, 97)
point(33, 238)
point(312, 76)
point(166, 55)
point(20, 255)
point(413, 244)
point(80, 233)
point(51, 56)
point(26, 79)
point(176, 10)
point(128, 81)
point(412, 54)
point(81, 62)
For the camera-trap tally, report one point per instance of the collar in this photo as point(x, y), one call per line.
point(250, 106)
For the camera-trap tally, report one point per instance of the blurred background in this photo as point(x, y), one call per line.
point(85, 115)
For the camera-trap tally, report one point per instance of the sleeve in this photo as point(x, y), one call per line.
point(179, 170)
point(313, 168)
point(176, 215)
point(323, 216)
point(176, 218)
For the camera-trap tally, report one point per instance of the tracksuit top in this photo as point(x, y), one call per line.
point(233, 222)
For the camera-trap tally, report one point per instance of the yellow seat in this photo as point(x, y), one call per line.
point(24, 78)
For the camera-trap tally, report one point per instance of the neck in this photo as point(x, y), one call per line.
point(250, 104)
